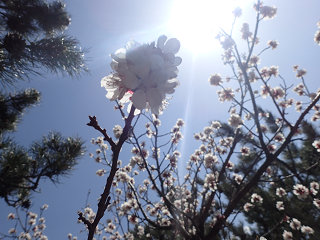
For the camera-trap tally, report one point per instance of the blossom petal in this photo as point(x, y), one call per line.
point(113, 95)
point(139, 99)
point(140, 70)
point(130, 80)
point(161, 40)
point(104, 82)
point(168, 87)
point(177, 61)
point(172, 72)
point(170, 58)
point(156, 61)
point(120, 55)
point(172, 45)
point(114, 65)
point(132, 43)
point(158, 76)
point(116, 94)
point(136, 111)
point(154, 98)
point(126, 97)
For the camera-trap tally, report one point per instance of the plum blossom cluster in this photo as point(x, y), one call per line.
point(144, 74)
point(235, 121)
point(267, 12)
point(295, 224)
point(254, 200)
point(32, 226)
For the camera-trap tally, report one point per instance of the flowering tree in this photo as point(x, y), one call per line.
point(260, 164)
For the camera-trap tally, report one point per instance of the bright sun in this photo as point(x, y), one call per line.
point(196, 22)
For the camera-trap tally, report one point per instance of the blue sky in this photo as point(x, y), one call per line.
point(105, 26)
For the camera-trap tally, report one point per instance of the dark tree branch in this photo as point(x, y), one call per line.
point(105, 198)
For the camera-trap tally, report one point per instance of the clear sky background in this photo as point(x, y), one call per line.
point(105, 26)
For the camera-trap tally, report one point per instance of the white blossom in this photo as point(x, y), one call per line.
point(215, 79)
point(287, 235)
point(280, 205)
point(307, 230)
point(295, 224)
point(235, 121)
point(255, 198)
point(300, 191)
point(144, 73)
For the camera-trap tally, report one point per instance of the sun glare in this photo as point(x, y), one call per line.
point(197, 22)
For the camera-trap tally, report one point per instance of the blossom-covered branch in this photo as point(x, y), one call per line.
point(260, 163)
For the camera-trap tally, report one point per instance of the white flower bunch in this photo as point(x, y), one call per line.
point(144, 74)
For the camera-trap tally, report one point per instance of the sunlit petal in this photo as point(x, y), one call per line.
point(161, 40)
point(172, 46)
point(156, 61)
point(130, 80)
point(177, 61)
point(120, 55)
point(139, 99)
point(154, 97)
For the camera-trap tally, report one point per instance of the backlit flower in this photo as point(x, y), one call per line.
point(273, 70)
point(268, 12)
point(237, 12)
point(273, 44)
point(117, 130)
point(227, 43)
point(301, 73)
point(255, 59)
point(235, 121)
point(226, 94)
point(144, 73)
point(215, 79)
point(245, 31)
point(277, 92)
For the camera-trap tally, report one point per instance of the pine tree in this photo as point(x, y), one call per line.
point(33, 39)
